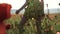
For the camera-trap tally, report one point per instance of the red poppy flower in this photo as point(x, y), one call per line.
point(5, 11)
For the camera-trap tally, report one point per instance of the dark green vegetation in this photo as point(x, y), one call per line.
point(30, 27)
point(35, 9)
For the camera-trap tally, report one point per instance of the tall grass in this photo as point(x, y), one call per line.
point(30, 26)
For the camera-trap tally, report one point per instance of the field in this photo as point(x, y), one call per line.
point(15, 21)
point(47, 25)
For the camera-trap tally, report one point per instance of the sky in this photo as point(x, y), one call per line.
point(51, 4)
point(16, 4)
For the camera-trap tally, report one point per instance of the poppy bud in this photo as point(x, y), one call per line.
point(8, 26)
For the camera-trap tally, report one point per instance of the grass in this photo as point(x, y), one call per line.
point(30, 27)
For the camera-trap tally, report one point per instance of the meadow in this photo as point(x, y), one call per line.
point(48, 26)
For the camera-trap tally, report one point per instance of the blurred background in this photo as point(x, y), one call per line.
point(50, 6)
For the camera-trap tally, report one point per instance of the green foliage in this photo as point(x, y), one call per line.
point(30, 26)
point(34, 9)
point(14, 21)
